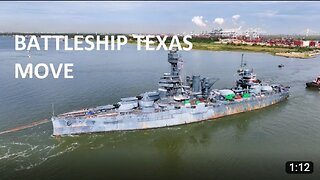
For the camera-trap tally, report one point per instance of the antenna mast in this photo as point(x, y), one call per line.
point(242, 63)
point(52, 109)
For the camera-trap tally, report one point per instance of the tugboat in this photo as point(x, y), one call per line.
point(178, 101)
point(314, 84)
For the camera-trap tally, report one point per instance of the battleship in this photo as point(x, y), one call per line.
point(178, 100)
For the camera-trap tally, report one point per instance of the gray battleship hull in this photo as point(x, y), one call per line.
point(184, 115)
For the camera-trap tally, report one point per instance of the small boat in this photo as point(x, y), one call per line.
point(314, 84)
point(280, 66)
point(29, 54)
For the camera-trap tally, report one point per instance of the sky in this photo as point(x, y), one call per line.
point(160, 17)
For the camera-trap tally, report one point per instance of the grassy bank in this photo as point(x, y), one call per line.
point(231, 47)
point(292, 52)
point(211, 45)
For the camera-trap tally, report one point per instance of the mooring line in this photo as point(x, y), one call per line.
point(19, 128)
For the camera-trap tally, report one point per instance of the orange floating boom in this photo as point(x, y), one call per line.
point(19, 128)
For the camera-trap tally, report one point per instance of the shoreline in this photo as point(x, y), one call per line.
point(289, 52)
point(306, 55)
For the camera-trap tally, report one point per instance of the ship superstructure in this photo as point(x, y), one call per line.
point(177, 101)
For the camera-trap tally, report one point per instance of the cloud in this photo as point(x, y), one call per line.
point(199, 21)
point(218, 21)
point(267, 13)
point(235, 17)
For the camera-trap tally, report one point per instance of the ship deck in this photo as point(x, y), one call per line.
point(82, 114)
